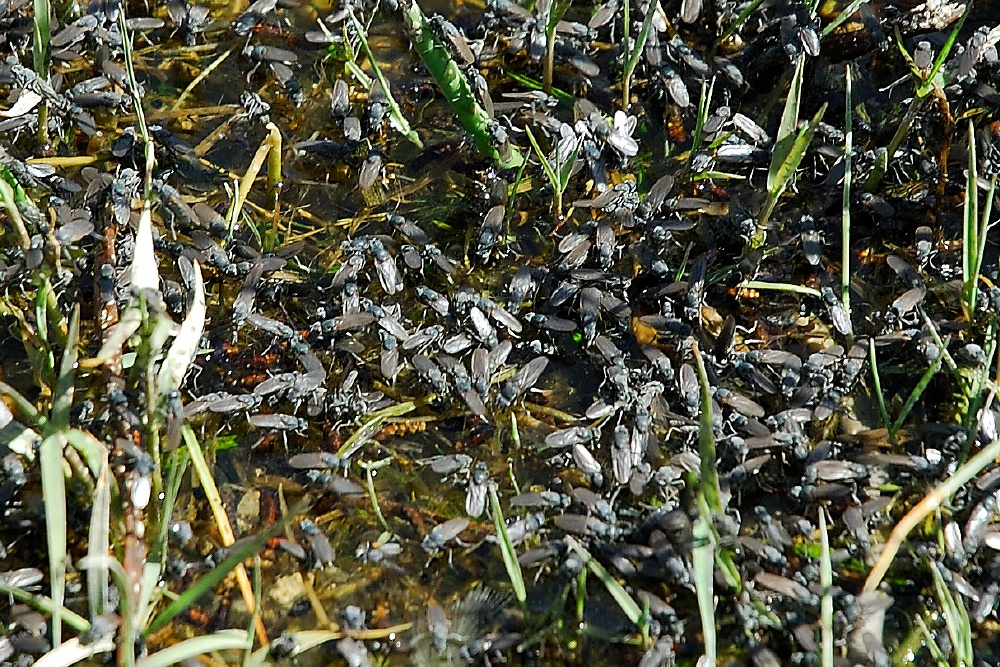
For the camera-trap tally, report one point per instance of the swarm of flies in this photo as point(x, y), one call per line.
point(444, 322)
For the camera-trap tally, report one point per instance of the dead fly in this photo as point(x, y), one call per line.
point(612, 355)
point(434, 253)
point(253, 16)
point(243, 304)
point(409, 229)
point(448, 32)
point(371, 170)
point(674, 85)
point(739, 403)
point(787, 588)
point(690, 10)
point(621, 455)
point(353, 652)
point(352, 130)
point(316, 461)
point(490, 231)
point(550, 322)
point(442, 534)
point(336, 484)
point(841, 320)
point(812, 240)
point(659, 361)
point(482, 328)
point(573, 435)
point(385, 264)
point(475, 495)
point(189, 19)
point(380, 551)
point(389, 356)
point(463, 384)
point(580, 524)
point(340, 100)
point(279, 422)
point(430, 372)
point(695, 294)
point(319, 545)
point(588, 465)
point(690, 390)
point(798, 34)
point(523, 380)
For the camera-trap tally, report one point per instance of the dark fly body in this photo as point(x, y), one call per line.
point(442, 534)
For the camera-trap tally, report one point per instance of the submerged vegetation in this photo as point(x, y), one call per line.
point(556, 333)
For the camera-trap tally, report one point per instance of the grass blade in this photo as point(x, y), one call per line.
point(207, 480)
point(41, 38)
point(845, 202)
point(956, 618)
point(785, 138)
point(220, 640)
point(506, 548)
point(826, 603)
point(396, 118)
point(75, 651)
point(701, 560)
point(99, 542)
point(877, 382)
point(915, 395)
point(621, 596)
point(211, 579)
point(185, 345)
point(54, 493)
point(927, 506)
point(454, 85)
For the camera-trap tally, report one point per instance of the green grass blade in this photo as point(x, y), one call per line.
point(220, 640)
point(45, 605)
point(50, 455)
point(633, 56)
point(915, 395)
point(956, 618)
point(14, 214)
point(738, 21)
point(701, 560)
point(41, 38)
point(620, 595)
point(208, 581)
point(970, 225)
point(709, 477)
point(371, 426)
point(506, 548)
point(99, 542)
point(786, 136)
point(62, 399)
point(25, 408)
point(704, 104)
point(931, 81)
point(786, 168)
point(877, 382)
point(455, 86)
point(839, 19)
point(396, 118)
point(550, 173)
